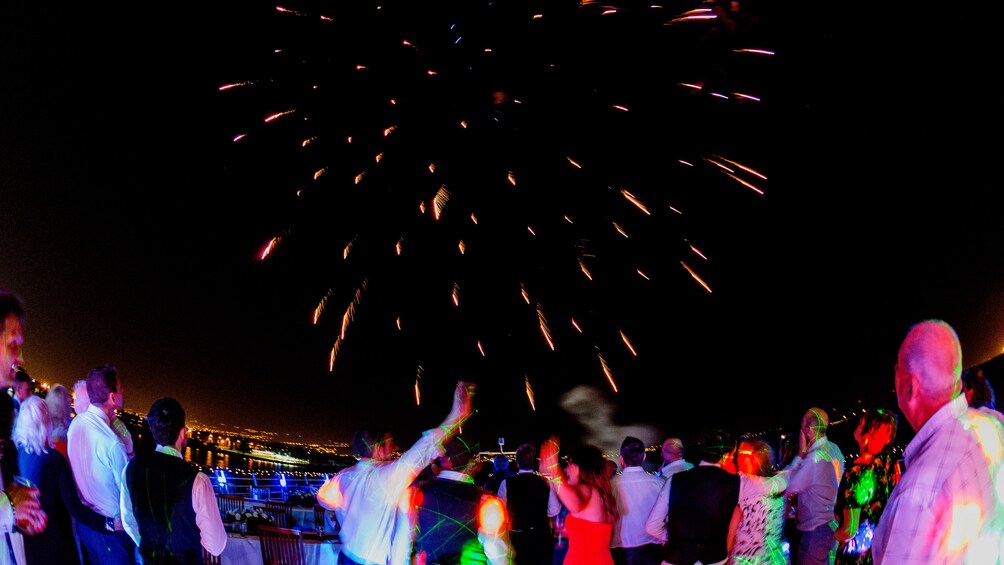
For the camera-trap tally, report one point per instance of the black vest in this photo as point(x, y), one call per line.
point(448, 523)
point(701, 502)
point(526, 496)
point(161, 489)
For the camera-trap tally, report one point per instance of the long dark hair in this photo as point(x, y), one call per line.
point(592, 472)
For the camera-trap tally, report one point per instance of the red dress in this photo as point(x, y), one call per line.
point(588, 542)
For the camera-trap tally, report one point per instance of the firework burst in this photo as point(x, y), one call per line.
point(586, 149)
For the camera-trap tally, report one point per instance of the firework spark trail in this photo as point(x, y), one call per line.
point(429, 66)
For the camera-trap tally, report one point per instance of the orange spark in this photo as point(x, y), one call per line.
point(631, 198)
point(439, 201)
point(544, 330)
point(272, 243)
point(606, 372)
point(278, 115)
point(627, 342)
point(529, 392)
point(696, 278)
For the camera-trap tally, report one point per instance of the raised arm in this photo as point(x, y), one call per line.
point(461, 409)
point(575, 498)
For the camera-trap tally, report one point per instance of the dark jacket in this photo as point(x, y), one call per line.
point(161, 489)
point(701, 502)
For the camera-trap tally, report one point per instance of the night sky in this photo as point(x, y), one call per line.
point(132, 223)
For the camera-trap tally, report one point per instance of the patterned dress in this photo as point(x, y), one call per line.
point(759, 535)
point(865, 486)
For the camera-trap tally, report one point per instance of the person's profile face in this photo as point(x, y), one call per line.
point(11, 341)
point(572, 471)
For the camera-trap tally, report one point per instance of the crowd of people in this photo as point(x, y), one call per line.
point(741, 504)
point(73, 484)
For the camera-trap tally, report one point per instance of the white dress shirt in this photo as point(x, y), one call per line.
point(207, 511)
point(97, 457)
point(669, 469)
point(636, 492)
point(815, 480)
point(365, 498)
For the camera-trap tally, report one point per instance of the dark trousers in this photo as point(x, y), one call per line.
point(105, 548)
point(649, 554)
point(816, 547)
point(532, 547)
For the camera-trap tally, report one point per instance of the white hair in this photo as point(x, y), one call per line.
point(32, 426)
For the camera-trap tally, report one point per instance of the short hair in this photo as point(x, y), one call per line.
point(633, 451)
point(32, 426)
point(983, 393)
point(880, 417)
point(932, 352)
point(460, 452)
point(526, 457)
point(819, 419)
point(367, 438)
point(22, 376)
point(101, 382)
point(714, 445)
point(58, 401)
point(10, 304)
point(674, 446)
point(756, 457)
point(166, 418)
point(501, 463)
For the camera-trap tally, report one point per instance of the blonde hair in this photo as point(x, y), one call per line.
point(58, 402)
point(32, 426)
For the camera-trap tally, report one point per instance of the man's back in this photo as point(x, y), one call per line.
point(160, 487)
point(815, 481)
point(947, 507)
point(448, 523)
point(701, 502)
point(636, 492)
point(97, 458)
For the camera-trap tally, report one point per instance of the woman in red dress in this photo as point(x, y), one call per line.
point(587, 495)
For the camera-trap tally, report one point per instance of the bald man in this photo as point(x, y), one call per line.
point(946, 507)
point(672, 458)
point(812, 489)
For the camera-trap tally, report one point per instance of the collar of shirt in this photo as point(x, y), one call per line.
point(454, 476)
point(816, 445)
point(950, 411)
point(168, 450)
point(524, 471)
point(92, 409)
point(634, 469)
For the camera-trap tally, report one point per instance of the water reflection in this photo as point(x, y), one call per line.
point(226, 460)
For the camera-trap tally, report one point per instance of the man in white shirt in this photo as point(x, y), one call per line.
point(947, 506)
point(174, 513)
point(636, 492)
point(366, 496)
point(812, 488)
point(672, 458)
point(97, 457)
point(80, 403)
